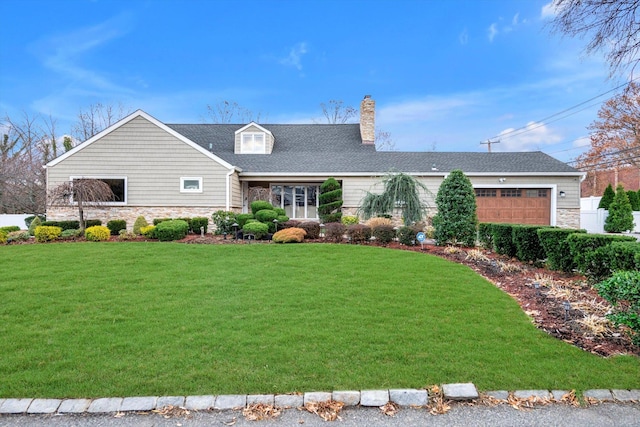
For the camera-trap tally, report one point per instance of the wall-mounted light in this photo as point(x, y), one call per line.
point(562, 194)
point(502, 180)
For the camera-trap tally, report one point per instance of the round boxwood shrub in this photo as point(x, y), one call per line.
point(115, 225)
point(97, 233)
point(243, 218)
point(266, 215)
point(140, 222)
point(289, 235)
point(259, 205)
point(350, 219)
point(407, 235)
point(258, 229)
point(359, 233)
point(46, 233)
point(383, 233)
point(334, 231)
point(200, 221)
point(174, 229)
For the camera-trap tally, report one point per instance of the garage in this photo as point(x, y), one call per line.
point(514, 205)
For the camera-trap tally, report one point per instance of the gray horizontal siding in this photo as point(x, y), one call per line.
point(152, 161)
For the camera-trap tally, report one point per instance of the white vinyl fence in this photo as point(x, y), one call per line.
point(592, 218)
point(7, 220)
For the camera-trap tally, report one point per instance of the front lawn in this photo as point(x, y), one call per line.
point(126, 319)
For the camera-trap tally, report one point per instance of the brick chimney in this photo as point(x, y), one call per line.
point(367, 120)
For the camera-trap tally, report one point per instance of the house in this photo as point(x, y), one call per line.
point(184, 170)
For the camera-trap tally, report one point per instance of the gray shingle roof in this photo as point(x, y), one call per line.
point(337, 148)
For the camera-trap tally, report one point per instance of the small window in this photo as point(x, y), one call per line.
point(191, 185)
point(540, 192)
point(511, 193)
point(486, 192)
point(253, 143)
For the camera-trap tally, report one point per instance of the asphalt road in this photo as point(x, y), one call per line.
point(606, 414)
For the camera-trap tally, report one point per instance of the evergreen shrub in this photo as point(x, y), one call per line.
point(243, 218)
point(36, 222)
point(583, 247)
point(258, 205)
point(618, 256)
point(622, 290)
point(350, 219)
point(148, 231)
point(330, 201)
point(407, 235)
point(620, 216)
point(607, 198)
point(289, 235)
point(201, 221)
point(157, 221)
point(97, 233)
point(174, 229)
point(556, 248)
point(503, 239)
point(18, 236)
point(527, 243)
point(115, 225)
point(47, 233)
point(634, 200)
point(359, 233)
point(140, 222)
point(334, 231)
point(9, 228)
point(485, 235)
point(456, 221)
point(384, 233)
point(312, 228)
point(258, 229)
point(3, 237)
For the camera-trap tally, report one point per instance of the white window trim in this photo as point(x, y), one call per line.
point(190, 178)
point(253, 135)
point(306, 205)
point(126, 187)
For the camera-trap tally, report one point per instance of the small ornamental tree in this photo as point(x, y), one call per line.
point(330, 199)
point(607, 198)
point(84, 192)
point(456, 221)
point(633, 199)
point(620, 214)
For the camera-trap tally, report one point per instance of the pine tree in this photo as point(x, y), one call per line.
point(607, 198)
point(620, 214)
point(456, 221)
point(330, 199)
point(633, 199)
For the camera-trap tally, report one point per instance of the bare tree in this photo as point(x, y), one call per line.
point(384, 141)
point(95, 119)
point(230, 112)
point(611, 25)
point(335, 112)
point(84, 192)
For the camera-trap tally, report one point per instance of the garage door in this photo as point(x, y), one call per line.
point(514, 205)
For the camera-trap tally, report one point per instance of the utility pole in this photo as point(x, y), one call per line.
point(489, 142)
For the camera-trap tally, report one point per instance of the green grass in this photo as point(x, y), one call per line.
point(120, 319)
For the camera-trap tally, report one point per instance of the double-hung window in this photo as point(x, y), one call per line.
point(253, 143)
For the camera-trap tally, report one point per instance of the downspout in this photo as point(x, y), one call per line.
point(228, 206)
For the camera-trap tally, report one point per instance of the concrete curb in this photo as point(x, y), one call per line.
point(365, 398)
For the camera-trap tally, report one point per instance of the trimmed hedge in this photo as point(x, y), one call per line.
point(407, 235)
point(618, 256)
point(584, 246)
point(266, 215)
point(312, 228)
point(47, 233)
point(258, 229)
point(259, 205)
point(243, 218)
point(503, 239)
point(624, 287)
point(71, 225)
point(525, 239)
point(9, 228)
point(174, 229)
point(359, 233)
point(556, 248)
point(200, 221)
point(115, 225)
point(383, 233)
point(485, 235)
point(334, 231)
point(157, 221)
point(97, 233)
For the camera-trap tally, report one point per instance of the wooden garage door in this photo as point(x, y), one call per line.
point(514, 205)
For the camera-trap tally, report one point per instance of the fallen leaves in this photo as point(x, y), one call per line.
point(437, 404)
point(170, 411)
point(260, 411)
point(328, 411)
point(390, 409)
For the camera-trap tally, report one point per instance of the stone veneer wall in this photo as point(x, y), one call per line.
point(129, 214)
point(568, 218)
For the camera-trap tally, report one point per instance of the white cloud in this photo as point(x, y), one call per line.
point(515, 19)
point(294, 58)
point(548, 10)
point(533, 136)
point(492, 31)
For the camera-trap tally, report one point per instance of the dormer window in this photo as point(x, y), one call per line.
point(253, 139)
point(253, 143)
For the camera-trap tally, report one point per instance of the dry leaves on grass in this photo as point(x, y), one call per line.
point(170, 411)
point(260, 411)
point(328, 411)
point(390, 409)
point(570, 399)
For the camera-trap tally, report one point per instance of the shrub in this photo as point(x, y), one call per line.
point(115, 225)
point(350, 219)
point(583, 248)
point(280, 212)
point(3, 237)
point(456, 221)
point(126, 235)
point(157, 221)
point(312, 228)
point(525, 239)
point(633, 200)
point(378, 220)
point(291, 223)
point(224, 220)
point(620, 216)
point(174, 229)
point(188, 221)
point(46, 233)
point(266, 215)
point(64, 225)
point(289, 235)
point(330, 201)
point(556, 247)
point(18, 236)
point(384, 233)
point(485, 235)
point(201, 221)
point(148, 231)
point(140, 222)
point(607, 198)
point(28, 220)
point(9, 228)
point(618, 256)
point(622, 290)
point(97, 233)
point(407, 235)
point(92, 222)
point(334, 231)
point(282, 219)
point(243, 218)
point(37, 222)
point(359, 233)
point(71, 234)
point(503, 239)
point(258, 229)
point(258, 205)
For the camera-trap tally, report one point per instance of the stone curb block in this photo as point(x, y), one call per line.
point(526, 394)
point(230, 401)
point(626, 395)
point(349, 398)
point(199, 403)
point(557, 395)
point(316, 396)
point(177, 401)
point(74, 406)
point(498, 394)
point(139, 404)
point(264, 399)
point(44, 406)
point(409, 397)
point(599, 394)
point(288, 400)
point(15, 406)
point(460, 391)
point(374, 397)
point(105, 404)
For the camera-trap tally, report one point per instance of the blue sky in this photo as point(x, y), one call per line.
point(445, 74)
